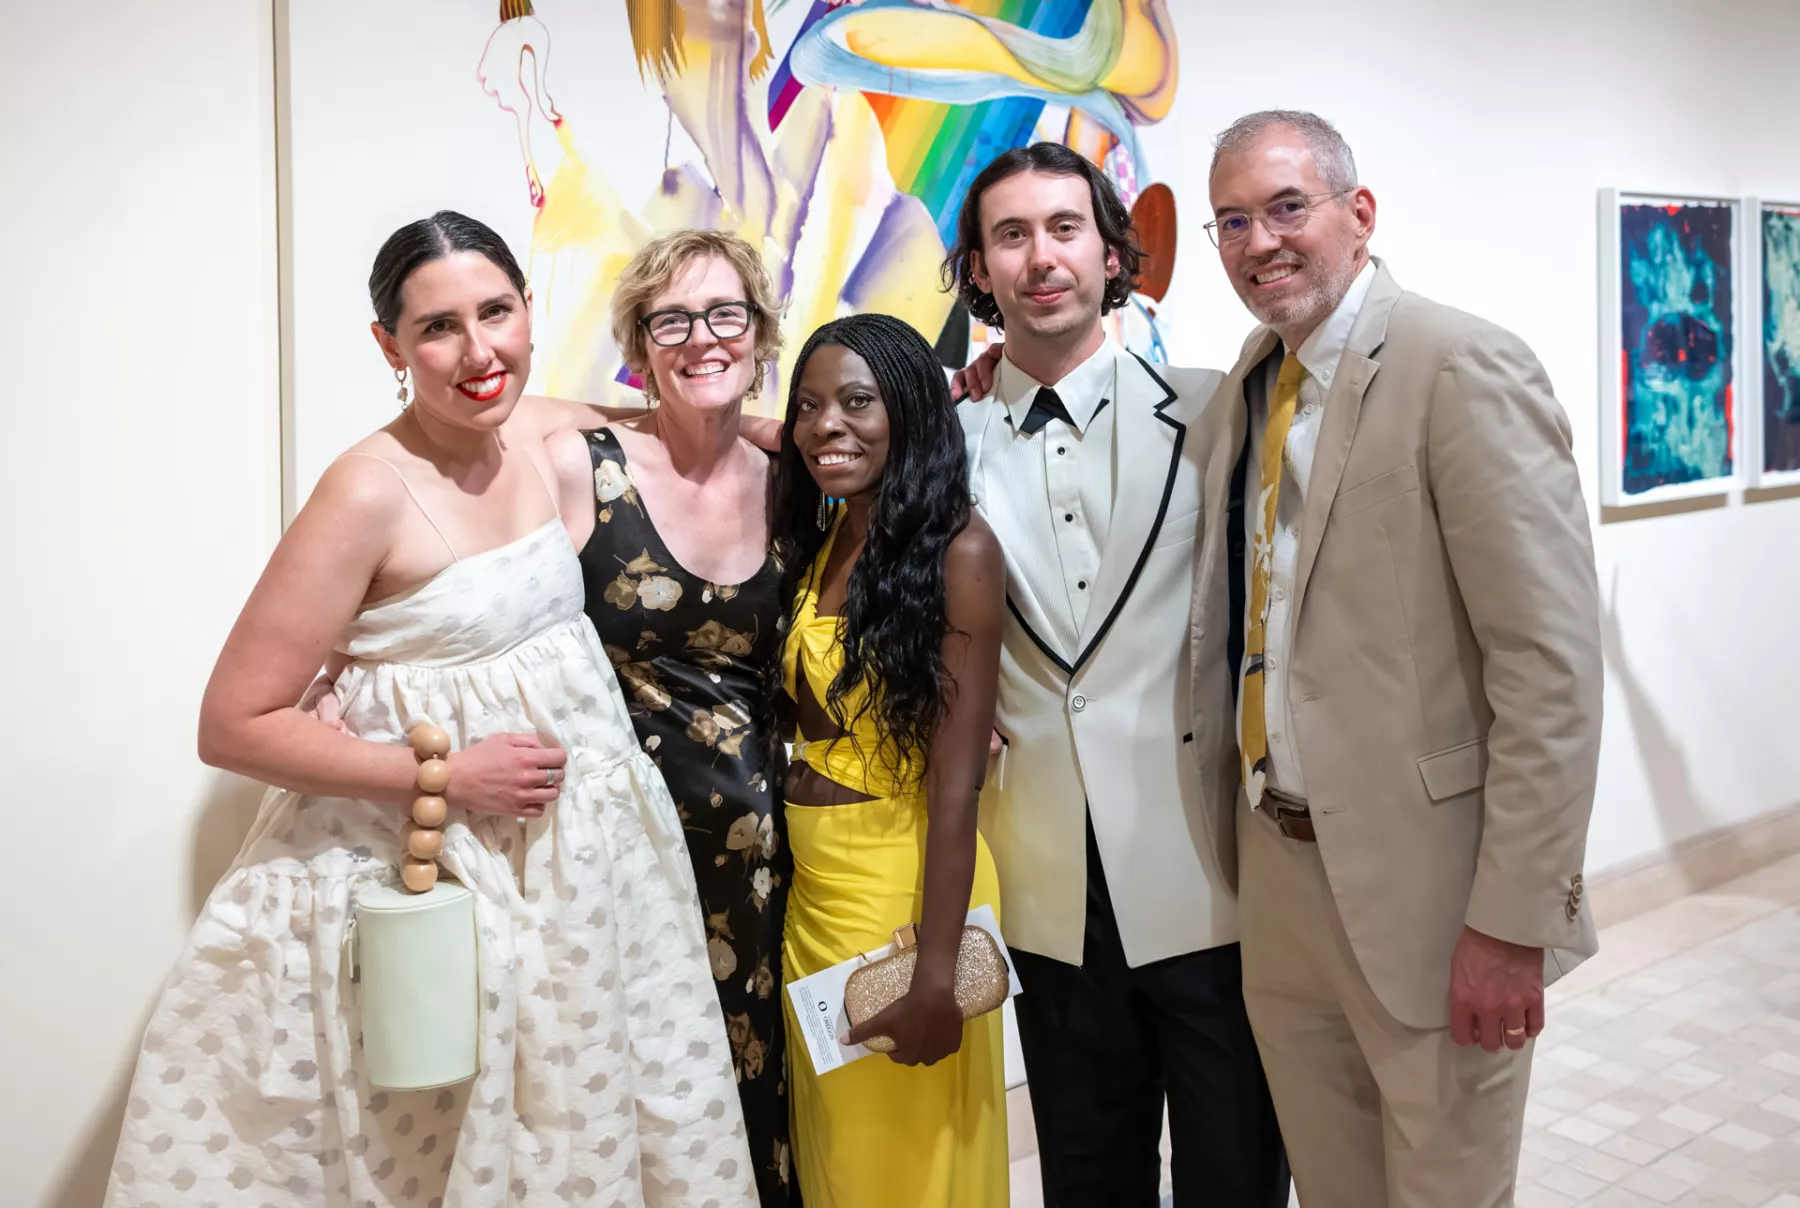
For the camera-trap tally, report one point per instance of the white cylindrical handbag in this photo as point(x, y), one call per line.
point(412, 959)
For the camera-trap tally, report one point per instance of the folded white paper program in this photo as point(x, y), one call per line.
point(819, 1000)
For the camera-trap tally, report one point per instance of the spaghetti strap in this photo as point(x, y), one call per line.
point(407, 487)
point(548, 489)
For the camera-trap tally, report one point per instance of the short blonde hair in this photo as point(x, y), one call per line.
point(662, 260)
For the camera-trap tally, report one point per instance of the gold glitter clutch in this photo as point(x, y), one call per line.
point(981, 980)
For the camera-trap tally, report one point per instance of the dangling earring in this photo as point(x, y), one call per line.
point(400, 376)
point(824, 512)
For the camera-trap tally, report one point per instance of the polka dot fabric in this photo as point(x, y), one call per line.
point(606, 1074)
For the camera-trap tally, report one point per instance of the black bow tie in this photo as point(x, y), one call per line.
point(1044, 408)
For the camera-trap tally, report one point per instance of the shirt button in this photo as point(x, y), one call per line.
point(1069, 516)
point(1269, 661)
point(1060, 450)
point(1275, 737)
point(1081, 584)
point(1078, 702)
point(1279, 594)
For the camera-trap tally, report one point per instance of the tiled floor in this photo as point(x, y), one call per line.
point(1669, 1072)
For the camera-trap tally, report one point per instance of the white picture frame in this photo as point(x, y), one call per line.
point(1758, 370)
point(1645, 368)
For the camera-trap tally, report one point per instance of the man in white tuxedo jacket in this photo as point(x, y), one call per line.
point(1117, 866)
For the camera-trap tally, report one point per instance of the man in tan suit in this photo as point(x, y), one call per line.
point(1397, 586)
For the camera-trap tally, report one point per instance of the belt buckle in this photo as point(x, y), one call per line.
point(1292, 817)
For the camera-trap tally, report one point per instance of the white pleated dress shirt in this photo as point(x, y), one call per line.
point(1071, 467)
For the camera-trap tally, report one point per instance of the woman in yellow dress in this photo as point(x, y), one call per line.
point(890, 667)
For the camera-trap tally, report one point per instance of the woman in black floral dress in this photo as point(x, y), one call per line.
point(694, 313)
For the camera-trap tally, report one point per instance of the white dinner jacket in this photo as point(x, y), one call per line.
point(1102, 730)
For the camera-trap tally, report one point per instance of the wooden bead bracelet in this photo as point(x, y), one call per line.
point(431, 746)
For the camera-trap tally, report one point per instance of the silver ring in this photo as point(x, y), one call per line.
point(549, 778)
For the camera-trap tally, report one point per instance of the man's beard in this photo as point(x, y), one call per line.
point(1323, 293)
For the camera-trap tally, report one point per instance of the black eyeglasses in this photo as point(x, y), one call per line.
point(671, 328)
point(1283, 216)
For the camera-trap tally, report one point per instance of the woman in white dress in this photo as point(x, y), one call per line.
point(438, 558)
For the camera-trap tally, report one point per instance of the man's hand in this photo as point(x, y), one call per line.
point(976, 379)
point(1496, 992)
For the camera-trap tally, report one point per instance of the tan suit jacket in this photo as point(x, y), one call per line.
point(1445, 672)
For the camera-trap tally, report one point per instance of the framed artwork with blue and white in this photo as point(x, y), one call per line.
point(1671, 399)
point(1774, 447)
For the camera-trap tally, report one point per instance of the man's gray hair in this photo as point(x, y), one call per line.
point(1337, 167)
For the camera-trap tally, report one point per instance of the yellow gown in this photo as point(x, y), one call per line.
point(874, 1134)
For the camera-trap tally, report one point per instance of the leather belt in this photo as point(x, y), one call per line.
point(1290, 814)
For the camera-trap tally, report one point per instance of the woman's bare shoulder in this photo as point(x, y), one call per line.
point(362, 491)
point(758, 462)
point(567, 451)
point(976, 548)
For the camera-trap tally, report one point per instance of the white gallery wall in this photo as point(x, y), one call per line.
point(142, 493)
point(138, 502)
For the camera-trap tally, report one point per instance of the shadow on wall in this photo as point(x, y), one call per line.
point(83, 1182)
point(1679, 810)
point(225, 818)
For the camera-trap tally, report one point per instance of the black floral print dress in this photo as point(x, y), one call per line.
point(690, 657)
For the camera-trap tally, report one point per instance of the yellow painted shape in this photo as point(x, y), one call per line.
point(910, 136)
point(1147, 70)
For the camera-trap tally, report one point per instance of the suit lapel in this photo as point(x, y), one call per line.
point(986, 426)
point(1337, 431)
point(1148, 432)
point(1224, 492)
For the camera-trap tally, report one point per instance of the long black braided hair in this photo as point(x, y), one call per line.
point(894, 619)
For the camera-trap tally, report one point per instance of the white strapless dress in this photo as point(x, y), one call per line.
point(606, 1074)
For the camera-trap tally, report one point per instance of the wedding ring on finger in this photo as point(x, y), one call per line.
point(549, 778)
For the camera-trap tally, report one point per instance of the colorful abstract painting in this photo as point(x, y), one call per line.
point(1780, 342)
point(1677, 333)
point(838, 138)
point(842, 150)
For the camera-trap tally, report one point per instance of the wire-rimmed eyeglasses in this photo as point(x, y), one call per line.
point(1286, 215)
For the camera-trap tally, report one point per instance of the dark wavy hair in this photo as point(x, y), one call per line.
point(419, 243)
point(894, 620)
point(1052, 159)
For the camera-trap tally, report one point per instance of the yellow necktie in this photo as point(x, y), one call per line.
point(1253, 738)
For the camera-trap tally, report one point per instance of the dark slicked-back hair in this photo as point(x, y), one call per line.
point(1053, 159)
point(419, 243)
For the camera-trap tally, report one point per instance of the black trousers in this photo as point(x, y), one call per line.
point(1104, 1044)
